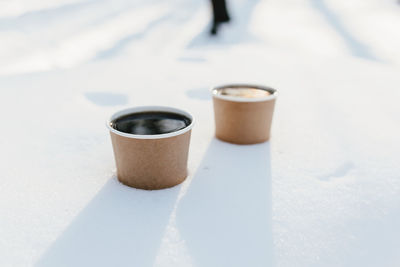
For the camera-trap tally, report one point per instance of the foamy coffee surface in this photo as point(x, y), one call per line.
point(150, 123)
point(243, 92)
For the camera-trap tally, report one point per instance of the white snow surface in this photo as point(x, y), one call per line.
point(325, 191)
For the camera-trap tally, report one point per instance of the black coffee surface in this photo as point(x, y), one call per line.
point(149, 123)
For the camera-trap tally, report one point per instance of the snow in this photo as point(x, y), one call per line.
point(325, 191)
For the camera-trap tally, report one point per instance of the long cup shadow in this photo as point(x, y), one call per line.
point(225, 216)
point(119, 226)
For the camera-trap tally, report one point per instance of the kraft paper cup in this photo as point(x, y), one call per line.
point(243, 120)
point(151, 161)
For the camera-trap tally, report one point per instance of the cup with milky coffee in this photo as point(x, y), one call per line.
point(243, 113)
point(151, 146)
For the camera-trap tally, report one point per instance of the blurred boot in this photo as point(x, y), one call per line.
point(220, 14)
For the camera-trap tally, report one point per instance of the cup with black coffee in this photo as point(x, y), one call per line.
point(243, 113)
point(151, 146)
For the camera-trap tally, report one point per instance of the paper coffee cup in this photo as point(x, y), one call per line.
point(243, 113)
point(151, 161)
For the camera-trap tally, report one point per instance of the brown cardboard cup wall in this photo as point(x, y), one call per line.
point(154, 163)
point(242, 122)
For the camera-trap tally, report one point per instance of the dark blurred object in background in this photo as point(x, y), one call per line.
point(220, 13)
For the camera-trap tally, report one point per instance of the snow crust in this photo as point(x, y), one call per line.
point(325, 191)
